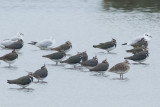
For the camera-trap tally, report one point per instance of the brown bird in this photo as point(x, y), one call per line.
point(120, 68)
point(10, 57)
point(137, 49)
point(57, 57)
point(22, 81)
point(101, 67)
point(16, 45)
point(40, 74)
point(90, 63)
point(140, 43)
point(108, 46)
point(65, 47)
point(84, 56)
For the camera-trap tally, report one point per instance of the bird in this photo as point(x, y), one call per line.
point(44, 44)
point(84, 56)
point(139, 57)
point(40, 74)
point(146, 37)
point(108, 46)
point(16, 45)
point(140, 43)
point(22, 81)
point(76, 59)
point(10, 57)
point(137, 49)
point(90, 63)
point(7, 42)
point(67, 46)
point(120, 68)
point(56, 57)
point(101, 67)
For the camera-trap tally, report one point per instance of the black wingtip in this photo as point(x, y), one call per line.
point(124, 44)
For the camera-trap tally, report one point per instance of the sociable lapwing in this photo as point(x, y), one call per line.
point(65, 47)
point(44, 44)
point(56, 57)
point(90, 63)
point(10, 57)
point(40, 74)
point(101, 67)
point(108, 46)
point(139, 57)
point(22, 81)
point(120, 68)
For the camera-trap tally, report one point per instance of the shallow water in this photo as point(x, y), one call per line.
point(84, 23)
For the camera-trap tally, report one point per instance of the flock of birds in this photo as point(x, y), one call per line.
point(139, 51)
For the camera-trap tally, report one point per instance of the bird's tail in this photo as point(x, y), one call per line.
point(32, 43)
point(127, 58)
point(45, 56)
point(10, 82)
point(124, 44)
point(63, 61)
point(129, 51)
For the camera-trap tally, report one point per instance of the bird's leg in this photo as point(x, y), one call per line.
point(56, 63)
point(122, 76)
point(38, 80)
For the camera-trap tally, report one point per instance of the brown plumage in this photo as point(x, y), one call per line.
point(140, 43)
point(137, 49)
point(16, 45)
point(65, 47)
point(120, 68)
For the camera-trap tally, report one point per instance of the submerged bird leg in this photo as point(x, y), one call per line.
point(56, 63)
point(122, 76)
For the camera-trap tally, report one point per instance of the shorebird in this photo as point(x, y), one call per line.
point(40, 74)
point(137, 49)
point(16, 45)
point(44, 44)
point(108, 46)
point(140, 43)
point(146, 37)
point(10, 41)
point(90, 63)
point(65, 47)
point(139, 57)
point(101, 67)
point(120, 68)
point(10, 57)
point(22, 81)
point(84, 56)
point(56, 57)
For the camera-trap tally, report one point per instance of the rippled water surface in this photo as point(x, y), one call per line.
point(84, 23)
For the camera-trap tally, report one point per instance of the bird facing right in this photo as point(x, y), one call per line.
point(120, 68)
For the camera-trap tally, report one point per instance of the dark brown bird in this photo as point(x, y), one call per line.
point(16, 45)
point(140, 43)
point(65, 47)
point(90, 63)
point(137, 50)
point(56, 57)
point(40, 74)
point(101, 67)
point(108, 46)
point(139, 57)
point(10, 57)
point(120, 68)
point(22, 81)
point(73, 59)
point(84, 56)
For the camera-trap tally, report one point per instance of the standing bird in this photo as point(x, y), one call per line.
point(65, 47)
point(10, 57)
point(137, 49)
point(76, 59)
point(56, 57)
point(22, 81)
point(40, 74)
point(108, 46)
point(90, 63)
point(44, 44)
point(7, 42)
point(140, 43)
point(139, 57)
point(120, 68)
point(16, 45)
point(101, 67)
point(146, 37)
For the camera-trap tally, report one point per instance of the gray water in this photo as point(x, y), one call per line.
point(84, 23)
